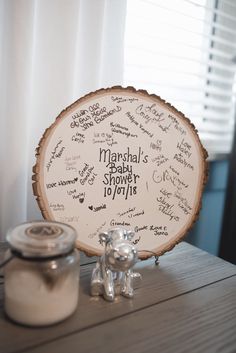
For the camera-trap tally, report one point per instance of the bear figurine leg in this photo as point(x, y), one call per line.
point(127, 287)
point(108, 285)
point(96, 281)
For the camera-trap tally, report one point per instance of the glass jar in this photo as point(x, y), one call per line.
point(42, 279)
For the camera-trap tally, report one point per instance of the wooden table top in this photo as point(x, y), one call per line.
point(185, 304)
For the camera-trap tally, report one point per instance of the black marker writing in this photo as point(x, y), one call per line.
point(56, 153)
point(167, 208)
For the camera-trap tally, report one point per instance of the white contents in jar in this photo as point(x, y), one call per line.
point(31, 300)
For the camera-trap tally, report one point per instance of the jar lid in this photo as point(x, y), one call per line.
point(42, 239)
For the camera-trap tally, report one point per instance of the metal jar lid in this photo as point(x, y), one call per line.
point(42, 239)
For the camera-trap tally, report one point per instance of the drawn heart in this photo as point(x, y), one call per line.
point(81, 200)
point(90, 207)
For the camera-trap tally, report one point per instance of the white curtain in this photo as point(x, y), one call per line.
point(51, 53)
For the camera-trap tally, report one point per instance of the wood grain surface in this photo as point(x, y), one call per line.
point(187, 303)
point(200, 321)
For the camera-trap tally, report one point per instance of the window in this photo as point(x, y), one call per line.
point(183, 51)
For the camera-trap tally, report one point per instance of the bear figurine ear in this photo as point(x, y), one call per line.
point(104, 237)
point(130, 234)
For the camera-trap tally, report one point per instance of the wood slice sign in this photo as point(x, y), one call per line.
point(121, 158)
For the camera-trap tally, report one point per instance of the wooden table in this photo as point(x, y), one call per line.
point(185, 304)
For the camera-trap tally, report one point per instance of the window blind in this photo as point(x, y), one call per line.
point(185, 52)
